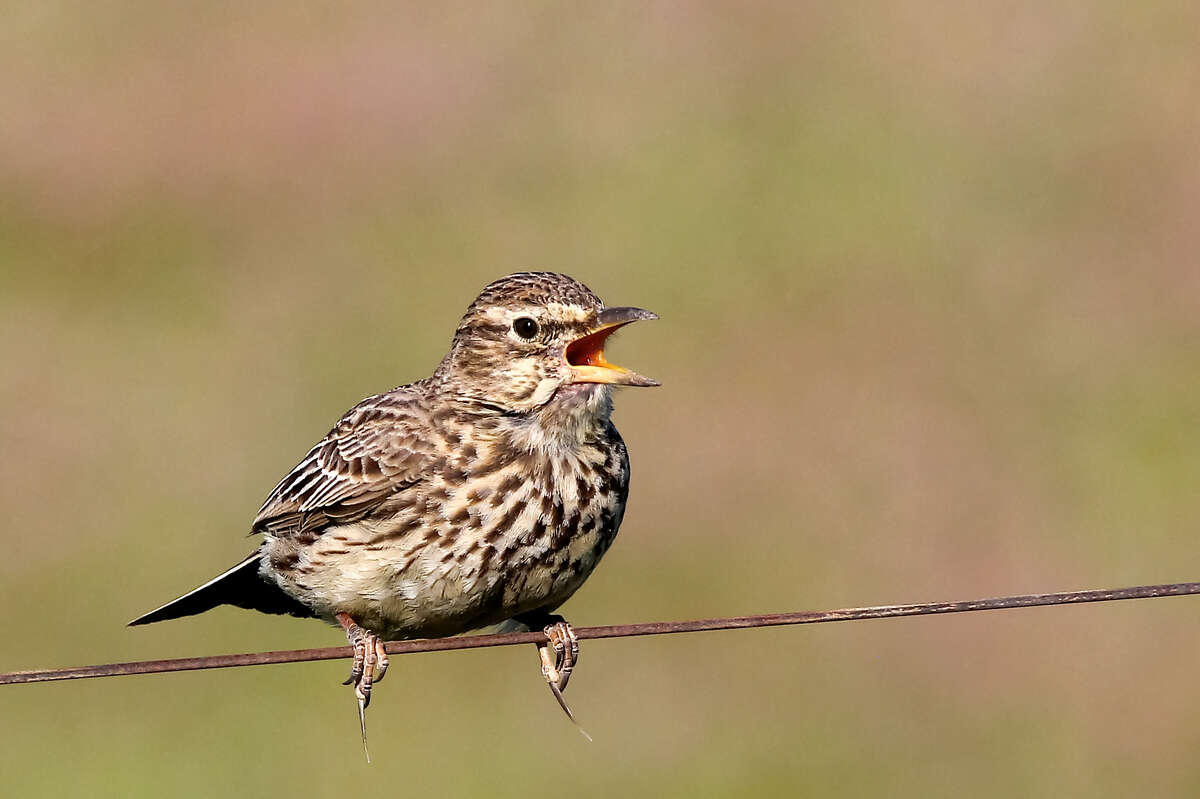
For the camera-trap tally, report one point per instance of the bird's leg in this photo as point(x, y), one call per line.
point(369, 666)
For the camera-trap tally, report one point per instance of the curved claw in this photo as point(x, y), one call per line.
point(362, 726)
point(381, 660)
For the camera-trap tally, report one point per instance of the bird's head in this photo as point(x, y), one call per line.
point(533, 339)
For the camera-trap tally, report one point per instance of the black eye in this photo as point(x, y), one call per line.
point(525, 327)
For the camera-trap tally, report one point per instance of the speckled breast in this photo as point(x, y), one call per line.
point(502, 530)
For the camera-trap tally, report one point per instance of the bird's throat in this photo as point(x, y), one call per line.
point(575, 413)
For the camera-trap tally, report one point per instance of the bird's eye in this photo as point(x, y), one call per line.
point(525, 327)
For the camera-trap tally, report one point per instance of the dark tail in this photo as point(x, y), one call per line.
point(241, 586)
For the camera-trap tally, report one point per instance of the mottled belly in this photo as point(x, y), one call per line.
point(484, 556)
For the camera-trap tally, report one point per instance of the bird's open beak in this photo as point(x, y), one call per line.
point(586, 354)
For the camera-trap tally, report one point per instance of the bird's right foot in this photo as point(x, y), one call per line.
point(369, 665)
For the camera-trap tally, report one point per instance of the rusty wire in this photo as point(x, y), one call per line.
point(611, 631)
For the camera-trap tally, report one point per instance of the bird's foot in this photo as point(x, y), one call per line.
point(559, 654)
point(560, 638)
point(369, 665)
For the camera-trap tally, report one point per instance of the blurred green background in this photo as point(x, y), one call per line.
point(930, 305)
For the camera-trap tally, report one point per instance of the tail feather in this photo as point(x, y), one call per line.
point(241, 586)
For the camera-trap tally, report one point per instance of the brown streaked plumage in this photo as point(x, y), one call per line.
point(483, 494)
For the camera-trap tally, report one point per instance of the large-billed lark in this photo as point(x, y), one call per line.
point(484, 494)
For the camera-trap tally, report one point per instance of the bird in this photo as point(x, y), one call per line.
point(482, 496)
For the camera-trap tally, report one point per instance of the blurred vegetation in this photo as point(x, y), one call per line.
point(930, 301)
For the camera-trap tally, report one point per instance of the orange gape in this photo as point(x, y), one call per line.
point(589, 350)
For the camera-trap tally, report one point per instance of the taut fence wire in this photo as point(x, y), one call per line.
point(610, 631)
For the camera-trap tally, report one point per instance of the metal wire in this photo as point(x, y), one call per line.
point(611, 631)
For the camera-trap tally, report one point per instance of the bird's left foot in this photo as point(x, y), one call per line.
point(369, 666)
point(560, 637)
point(559, 653)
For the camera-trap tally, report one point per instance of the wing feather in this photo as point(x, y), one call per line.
point(377, 449)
